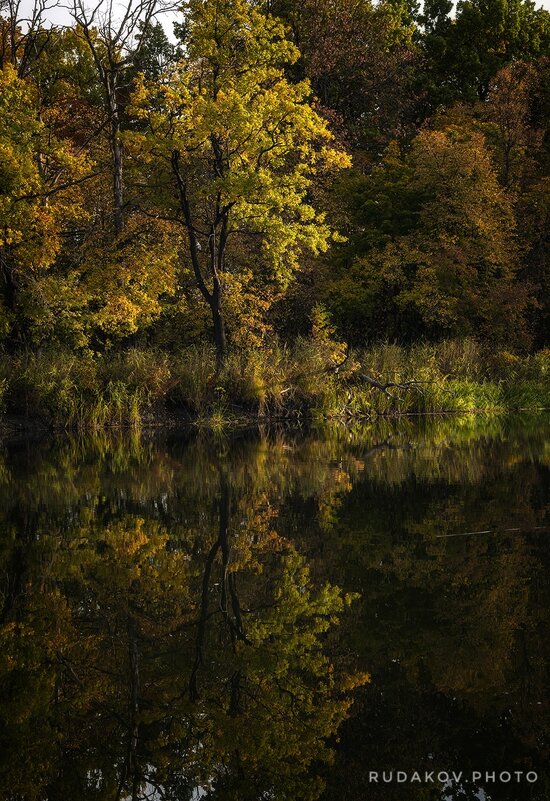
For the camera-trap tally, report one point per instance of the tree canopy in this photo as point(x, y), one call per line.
point(387, 163)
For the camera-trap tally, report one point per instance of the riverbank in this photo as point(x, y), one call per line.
point(309, 381)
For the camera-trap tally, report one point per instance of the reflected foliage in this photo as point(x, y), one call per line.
point(272, 615)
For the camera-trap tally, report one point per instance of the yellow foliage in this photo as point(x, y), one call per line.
point(247, 144)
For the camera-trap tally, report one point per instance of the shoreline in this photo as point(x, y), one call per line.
point(144, 387)
point(165, 421)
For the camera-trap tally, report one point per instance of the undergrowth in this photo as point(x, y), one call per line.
point(315, 378)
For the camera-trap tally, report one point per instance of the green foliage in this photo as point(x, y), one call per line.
point(483, 37)
point(155, 52)
point(298, 383)
point(66, 390)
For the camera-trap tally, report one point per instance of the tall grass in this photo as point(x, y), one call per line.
point(66, 390)
point(87, 391)
point(453, 376)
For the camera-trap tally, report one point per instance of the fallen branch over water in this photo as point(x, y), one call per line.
point(404, 385)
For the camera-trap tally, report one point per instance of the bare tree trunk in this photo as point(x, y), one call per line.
point(110, 29)
point(219, 326)
point(117, 155)
point(215, 264)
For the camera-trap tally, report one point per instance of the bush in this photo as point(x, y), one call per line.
point(77, 390)
point(146, 372)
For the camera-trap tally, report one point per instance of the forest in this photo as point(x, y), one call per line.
point(227, 208)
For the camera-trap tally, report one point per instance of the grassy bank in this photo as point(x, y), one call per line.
point(60, 389)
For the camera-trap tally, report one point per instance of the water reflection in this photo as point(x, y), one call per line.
point(185, 617)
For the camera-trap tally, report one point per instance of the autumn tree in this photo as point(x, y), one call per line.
point(436, 249)
point(24, 33)
point(361, 59)
point(508, 114)
point(240, 146)
point(515, 126)
point(41, 179)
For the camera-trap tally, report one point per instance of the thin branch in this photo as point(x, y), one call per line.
point(50, 192)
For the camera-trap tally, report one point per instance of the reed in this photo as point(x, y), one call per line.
point(303, 381)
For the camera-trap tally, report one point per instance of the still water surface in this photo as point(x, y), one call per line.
point(277, 615)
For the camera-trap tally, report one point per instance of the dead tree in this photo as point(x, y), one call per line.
point(381, 385)
point(112, 34)
point(25, 32)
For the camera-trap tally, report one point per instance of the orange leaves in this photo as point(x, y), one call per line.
point(40, 194)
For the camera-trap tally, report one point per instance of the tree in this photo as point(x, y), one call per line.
point(361, 60)
point(40, 193)
point(23, 38)
point(438, 246)
point(154, 52)
point(508, 116)
point(514, 118)
point(115, 43)
point(465, 53)
point(240, 146)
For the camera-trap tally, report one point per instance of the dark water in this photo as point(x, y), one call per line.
point(277, 615)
